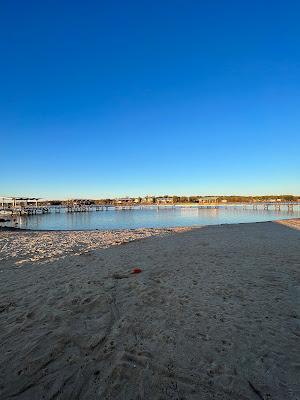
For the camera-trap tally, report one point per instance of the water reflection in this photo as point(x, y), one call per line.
point(153, 217)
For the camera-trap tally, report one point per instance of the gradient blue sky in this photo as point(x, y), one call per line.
point(108, 98)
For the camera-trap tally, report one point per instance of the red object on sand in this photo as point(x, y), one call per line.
point(136, 270)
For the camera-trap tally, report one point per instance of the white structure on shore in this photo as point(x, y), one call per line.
point(11, 202)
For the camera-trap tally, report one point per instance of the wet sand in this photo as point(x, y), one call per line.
point(214, 314)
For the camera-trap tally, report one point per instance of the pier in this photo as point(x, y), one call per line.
point(22, 206)
point(12, 206)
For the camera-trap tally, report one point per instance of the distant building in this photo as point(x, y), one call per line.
point(208, 199)
point(164, 200)
point(20, 201)
point(79, 202)
point(124, 200)
point(149, 199)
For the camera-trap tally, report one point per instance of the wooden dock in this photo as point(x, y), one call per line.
point(19, 210)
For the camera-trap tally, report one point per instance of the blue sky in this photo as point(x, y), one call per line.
point(100, 99)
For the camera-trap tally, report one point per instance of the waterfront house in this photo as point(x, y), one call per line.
point(208, 200)
point(164, 200)
point(149, 199)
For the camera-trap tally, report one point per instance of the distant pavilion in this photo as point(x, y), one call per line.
point(13, 202)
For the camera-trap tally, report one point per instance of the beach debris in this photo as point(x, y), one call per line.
point(256, 391)
point(136, 270)
point(118, 275)
point(4, 246)
point(122, 275)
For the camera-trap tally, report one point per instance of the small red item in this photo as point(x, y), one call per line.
point(136, 270)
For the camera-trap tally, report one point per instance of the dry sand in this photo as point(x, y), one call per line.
point(292, 223)
point(214, 314)
point(25, 246)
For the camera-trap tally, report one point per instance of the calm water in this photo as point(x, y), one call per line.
point(152, 218)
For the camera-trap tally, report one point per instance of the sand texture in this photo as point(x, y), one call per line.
point(292, 223)
point(31, 246)
point(214, 314)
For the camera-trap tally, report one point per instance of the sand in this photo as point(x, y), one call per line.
point(292, 223)
point(24, 246)
point(214, 314)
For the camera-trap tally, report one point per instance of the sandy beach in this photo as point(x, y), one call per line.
point(214, 314)
point(24, 246)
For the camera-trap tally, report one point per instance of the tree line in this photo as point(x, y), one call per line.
point(184, 199)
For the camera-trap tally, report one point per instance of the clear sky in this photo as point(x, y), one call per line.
point(107, 98)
